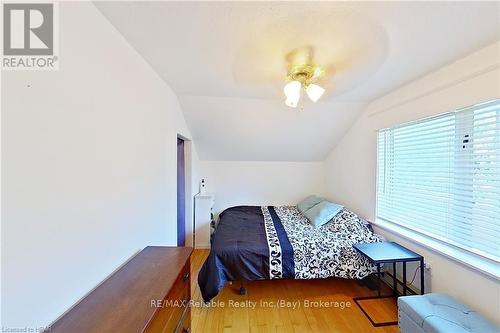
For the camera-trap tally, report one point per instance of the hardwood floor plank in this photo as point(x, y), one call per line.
point(266, 318)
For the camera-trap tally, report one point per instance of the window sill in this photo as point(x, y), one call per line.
point(483, 265)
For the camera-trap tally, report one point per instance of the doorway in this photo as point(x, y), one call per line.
point(181, 193)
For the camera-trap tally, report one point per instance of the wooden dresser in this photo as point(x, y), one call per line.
point(150, 293)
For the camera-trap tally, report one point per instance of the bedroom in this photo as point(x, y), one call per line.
point(107, 138)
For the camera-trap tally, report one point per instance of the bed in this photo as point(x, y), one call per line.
point(278, 242)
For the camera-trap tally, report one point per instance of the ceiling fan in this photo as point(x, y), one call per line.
point(303, 74)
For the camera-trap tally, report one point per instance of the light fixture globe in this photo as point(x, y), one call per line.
point(291, 102)
point(292, 88)
point(292, 93)
point(314, 92)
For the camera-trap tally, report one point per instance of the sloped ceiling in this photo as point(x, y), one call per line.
point(226, 62)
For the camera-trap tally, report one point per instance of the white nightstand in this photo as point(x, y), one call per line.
point(203, 209)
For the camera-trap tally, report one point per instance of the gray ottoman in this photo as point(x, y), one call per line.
point(434, 313)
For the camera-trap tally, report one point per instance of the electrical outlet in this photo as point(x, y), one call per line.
point(427, 266)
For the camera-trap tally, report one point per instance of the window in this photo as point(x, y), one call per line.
point(440, 176)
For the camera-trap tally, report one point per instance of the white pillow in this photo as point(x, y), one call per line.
point(322, 213)
point(309, 203)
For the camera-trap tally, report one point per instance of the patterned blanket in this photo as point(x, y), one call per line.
point(327, 251)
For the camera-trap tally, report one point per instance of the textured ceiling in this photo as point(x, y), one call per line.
point(226, 62)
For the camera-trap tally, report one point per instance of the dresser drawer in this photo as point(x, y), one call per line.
point(185, 324)
point(170, 313)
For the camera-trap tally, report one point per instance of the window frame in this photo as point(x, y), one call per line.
point(466, 258)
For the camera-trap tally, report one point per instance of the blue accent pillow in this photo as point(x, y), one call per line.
point(322, 213)
point(309, 203)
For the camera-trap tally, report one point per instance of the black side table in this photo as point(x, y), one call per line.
point(386, 253)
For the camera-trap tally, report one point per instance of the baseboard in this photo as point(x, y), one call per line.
point(387, 279)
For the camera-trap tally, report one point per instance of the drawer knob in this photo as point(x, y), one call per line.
point(185, 277)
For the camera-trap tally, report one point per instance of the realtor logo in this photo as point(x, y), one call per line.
point(29, 36)
point(28, 29)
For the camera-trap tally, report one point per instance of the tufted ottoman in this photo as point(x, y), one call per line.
point(433, 313)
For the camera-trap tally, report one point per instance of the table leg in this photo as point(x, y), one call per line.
point(404, 278)
point(378, 280)
point(394, 283)
point(422, 277)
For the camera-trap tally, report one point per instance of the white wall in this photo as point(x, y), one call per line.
point(88, 168)
point(351, 166)
point(262, 183)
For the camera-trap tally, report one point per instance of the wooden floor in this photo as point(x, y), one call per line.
point(225, 316)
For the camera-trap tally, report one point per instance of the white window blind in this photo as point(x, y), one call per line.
point(440, 176)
